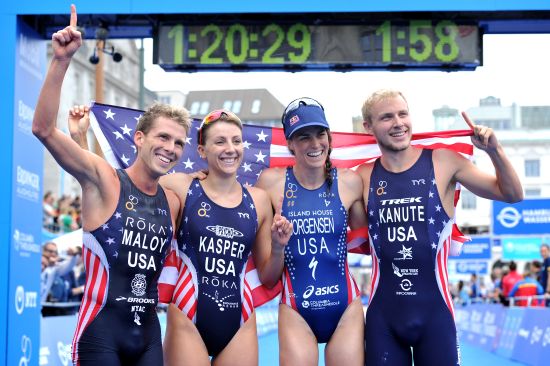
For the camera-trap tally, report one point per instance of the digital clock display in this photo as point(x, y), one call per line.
point(295, 46)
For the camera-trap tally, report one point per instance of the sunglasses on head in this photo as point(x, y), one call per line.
point(295, 104)
point(217, 115)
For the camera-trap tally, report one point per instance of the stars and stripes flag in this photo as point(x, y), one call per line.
point(264, 147)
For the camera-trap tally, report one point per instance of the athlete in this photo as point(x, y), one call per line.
point(409, 196)
point(320, 300)
point(222, 224)
point(127, 221)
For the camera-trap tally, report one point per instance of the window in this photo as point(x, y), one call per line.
point(227, 105)
point(194, 108)
point(468, 199)
point(532, 192)
point(256, 104)
point(237, 107)
point(165, 99)
point(532, 168)
point(204, 108)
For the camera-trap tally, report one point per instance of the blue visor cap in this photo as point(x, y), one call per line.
point(303, 116)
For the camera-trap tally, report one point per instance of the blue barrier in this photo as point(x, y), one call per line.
point(517, 333)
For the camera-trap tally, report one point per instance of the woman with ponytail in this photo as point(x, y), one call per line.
point(320, 302)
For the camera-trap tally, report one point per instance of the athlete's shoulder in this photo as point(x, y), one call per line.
point(270, 177)
point(349, 177)
point(365, 169)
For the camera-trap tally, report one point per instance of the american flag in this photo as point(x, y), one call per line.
point(264, 147)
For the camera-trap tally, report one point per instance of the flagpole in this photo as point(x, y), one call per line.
point(99, 79)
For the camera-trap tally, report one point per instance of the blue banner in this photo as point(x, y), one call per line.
point(530, 336)
point(478, 248)
point(530, 216)
point(26, 225)
point(512, 324)
point(467, 267)
point(56, 336)
point(521, 248)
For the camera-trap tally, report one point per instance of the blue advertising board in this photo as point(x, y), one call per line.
point(521, 248)
point(530, 336)
point(530, 216)
point(467, 267)
point(478, 248)
point(510, 329)
point(26, 209)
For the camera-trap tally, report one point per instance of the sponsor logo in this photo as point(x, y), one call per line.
point(406, 285)
point(139, 284)
point(26, 350)
point(28, 184)
point(400, 272)
point(24, 243)
point(509, 217)
point(405, 252)
point(222, 301)
point(320, 291)
point(64, 353)
point(136, 300)
point(24, 299)
point(224, 231)
point(401, 201)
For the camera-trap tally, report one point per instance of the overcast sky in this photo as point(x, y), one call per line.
point(515, 69)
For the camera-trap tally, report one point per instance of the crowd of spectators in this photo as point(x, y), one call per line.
point(508, 286)
point(60, 215)
point(61, 280)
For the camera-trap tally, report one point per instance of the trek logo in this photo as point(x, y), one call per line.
point(401, 201)
point(320, 291)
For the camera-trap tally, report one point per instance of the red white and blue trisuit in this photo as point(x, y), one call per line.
point(410, 304)
point(215, 243)
point(117, 322)
point(317, 282)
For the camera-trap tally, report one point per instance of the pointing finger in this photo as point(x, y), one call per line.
point(468, 120)
point(73, 16)
point(279, 207)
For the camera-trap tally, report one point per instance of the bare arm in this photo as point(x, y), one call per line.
point(505, 185)
point(272, 237)
point(83, 165)
point(79, 123)
point(351, 194)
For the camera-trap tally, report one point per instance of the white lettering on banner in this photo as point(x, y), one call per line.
point(29, 50)
point(27, 178)
point(25, 112)
point(24, 299)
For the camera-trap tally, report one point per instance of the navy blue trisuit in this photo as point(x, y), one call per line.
point(215, 243)
point(117, 322)
point(410, 306)
point(317, 282)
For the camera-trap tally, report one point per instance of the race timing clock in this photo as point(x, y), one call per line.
point(298, 46)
